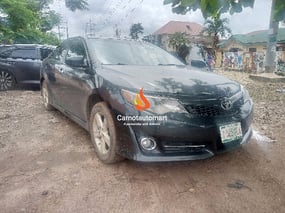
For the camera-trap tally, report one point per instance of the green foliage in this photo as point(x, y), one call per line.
point(209, 7)
point(180, 42)
point(28, 21)
point(216, 27)
point(76, 4)
point(178, 39)
point(279, 12)
point(19, 15)
point(49, 20)
point(18, 19)
point(135, 30)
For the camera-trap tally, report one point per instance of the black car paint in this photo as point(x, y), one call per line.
point(25, 70)
point(74, 90)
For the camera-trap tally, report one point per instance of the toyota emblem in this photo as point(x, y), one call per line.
point(226, 104)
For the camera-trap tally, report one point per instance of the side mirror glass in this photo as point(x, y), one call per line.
point(76, 61)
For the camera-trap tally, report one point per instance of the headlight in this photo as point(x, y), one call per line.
point(157, 105)
point(245, 93)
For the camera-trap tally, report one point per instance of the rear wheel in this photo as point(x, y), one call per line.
point(104, 133)
point(7, 81)
point(46, 97)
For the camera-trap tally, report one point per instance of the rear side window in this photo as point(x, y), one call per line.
point(5, 52)
point(24, 53)
point(45, 53)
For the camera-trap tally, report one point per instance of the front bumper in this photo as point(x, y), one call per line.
point(182, 141)
point(184, 156)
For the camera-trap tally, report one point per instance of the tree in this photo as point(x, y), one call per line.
point(49, 20)
point(135, 30)
point(209, 8)
point(73, 5)
point(215, 27)
point(180, 42)
point(19, 19)
point(76, 4)
point(212, 8)
point(29, 21)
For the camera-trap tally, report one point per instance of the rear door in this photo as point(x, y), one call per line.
point(26, 64)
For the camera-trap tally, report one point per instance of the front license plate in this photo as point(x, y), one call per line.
point(230, 132)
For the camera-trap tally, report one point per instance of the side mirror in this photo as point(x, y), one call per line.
point(76, 61)
point(198, 64)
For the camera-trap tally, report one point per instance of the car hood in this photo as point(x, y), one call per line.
point(172, 80)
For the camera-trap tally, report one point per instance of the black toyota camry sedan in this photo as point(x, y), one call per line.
point(139, 102)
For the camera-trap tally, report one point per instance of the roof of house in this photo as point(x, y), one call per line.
point(255, 37)
point(191, 28)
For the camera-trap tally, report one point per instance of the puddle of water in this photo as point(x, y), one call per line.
point(261, 138)
point(262, 141)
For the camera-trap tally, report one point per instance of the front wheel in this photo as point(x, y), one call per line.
point(104, 133)
point(7, 81)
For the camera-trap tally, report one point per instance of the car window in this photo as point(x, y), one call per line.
point(24, 53)
point(75, 54)
point(131, 53)
point(5, 52)
point(45, 52)
point(57, 53)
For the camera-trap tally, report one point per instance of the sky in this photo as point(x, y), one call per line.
point(107, 15)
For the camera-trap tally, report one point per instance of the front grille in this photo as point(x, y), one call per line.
point(213, 109)
point(204, 111)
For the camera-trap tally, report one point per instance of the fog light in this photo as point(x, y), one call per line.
point(148, 143)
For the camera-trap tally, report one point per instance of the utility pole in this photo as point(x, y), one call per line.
point(59, 35)
point(63, 30)
point(90, 29)
point(67, 31)
point(271, 42)
point(117, 32)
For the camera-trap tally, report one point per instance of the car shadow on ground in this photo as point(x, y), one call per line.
point(27, 87)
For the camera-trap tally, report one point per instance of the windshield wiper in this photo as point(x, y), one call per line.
point(115, 64)
point(179, 65)
point(169, 64)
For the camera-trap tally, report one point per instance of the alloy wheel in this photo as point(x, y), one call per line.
point(6, 80)
point(101, 133)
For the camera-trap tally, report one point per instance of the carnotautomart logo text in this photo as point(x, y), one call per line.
point(141, 103)
point(141, 118)
point(137, 120)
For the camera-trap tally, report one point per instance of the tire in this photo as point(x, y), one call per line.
point(46, 97)
point(7, 81)
point(103, 133)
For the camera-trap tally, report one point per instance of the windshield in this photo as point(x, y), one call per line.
point(116, 52)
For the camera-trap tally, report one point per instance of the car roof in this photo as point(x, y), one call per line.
point(108, 38)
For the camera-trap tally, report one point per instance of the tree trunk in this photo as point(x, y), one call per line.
point(270, 64)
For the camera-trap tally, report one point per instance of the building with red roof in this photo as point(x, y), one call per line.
point(162, 35)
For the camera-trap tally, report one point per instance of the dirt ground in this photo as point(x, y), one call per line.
point(47, 164)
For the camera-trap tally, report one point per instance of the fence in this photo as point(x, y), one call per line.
point(249, 61)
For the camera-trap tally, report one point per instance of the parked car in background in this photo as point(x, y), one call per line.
point(140, 102)
point(20, 64)
point(196, 58)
